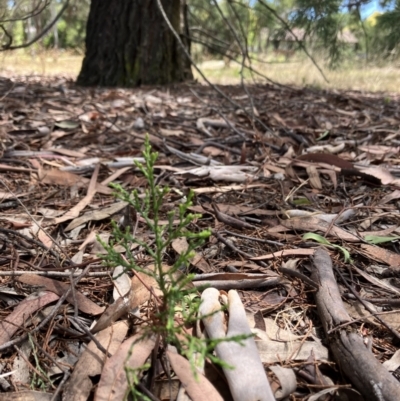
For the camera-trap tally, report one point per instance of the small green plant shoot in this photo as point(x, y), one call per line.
point(320, 239)
point(177, 293)
point(179, 304)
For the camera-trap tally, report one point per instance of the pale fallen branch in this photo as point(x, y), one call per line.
point(247, 379)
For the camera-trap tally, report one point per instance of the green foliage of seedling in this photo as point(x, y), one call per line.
point(179, 298)
point(133, 378)
point(323, 241)
point(301, 201)
point(175, 288)
point(40, 378)
point(324, 135)
point(375, 239)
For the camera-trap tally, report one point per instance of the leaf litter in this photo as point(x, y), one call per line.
point(310, 170)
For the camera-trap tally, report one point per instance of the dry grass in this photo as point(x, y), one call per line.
point(33, 62)
point(304, 73)
point(299, 73)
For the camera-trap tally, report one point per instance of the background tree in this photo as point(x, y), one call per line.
point(71, 27)
point(128, 43)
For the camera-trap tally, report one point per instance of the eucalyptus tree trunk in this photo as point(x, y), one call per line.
point(129, 44)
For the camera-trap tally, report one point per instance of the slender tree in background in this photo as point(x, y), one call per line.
point(128, 43)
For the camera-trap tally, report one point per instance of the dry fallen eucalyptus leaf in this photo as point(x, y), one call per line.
point(181, 245)
point(91, 362)
point(22, 312)
point(83, 303)
point(131, 354)
point(197, 387)
point(140, 292)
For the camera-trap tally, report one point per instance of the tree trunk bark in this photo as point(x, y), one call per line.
point(129, 44)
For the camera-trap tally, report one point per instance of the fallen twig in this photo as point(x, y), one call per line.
point(366, 373)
